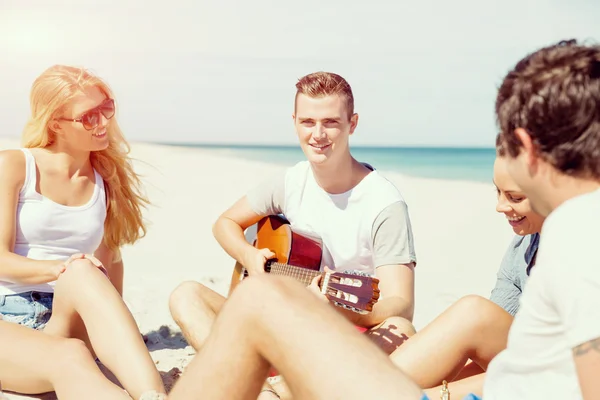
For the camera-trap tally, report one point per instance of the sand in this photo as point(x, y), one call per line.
point(459, 238)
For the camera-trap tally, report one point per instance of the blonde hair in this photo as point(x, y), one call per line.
point(50, 94)
point(320, 84)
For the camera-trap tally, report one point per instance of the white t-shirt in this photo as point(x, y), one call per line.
point(361, 229)
point(560, 309)
point(46, 230)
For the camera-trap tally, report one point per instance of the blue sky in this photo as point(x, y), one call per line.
point(423, 73)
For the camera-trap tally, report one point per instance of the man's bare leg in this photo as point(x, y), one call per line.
point(388, 336)
point(274, 321)
point(472, 328)
point(194, 308)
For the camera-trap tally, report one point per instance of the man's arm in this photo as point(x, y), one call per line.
point(394, 260)
point(229, 232)
point(396, 286)
point(265, 199)
point(587, 364)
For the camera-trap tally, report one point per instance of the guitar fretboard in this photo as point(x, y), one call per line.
point(303, 275)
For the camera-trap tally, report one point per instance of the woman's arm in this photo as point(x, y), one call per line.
point(15, 268)
point(113, 263)
point(506, 292)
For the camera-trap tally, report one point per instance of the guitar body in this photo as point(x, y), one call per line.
point(299, 255)
point(290, 247)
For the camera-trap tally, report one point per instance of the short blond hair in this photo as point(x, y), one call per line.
point(321, 84)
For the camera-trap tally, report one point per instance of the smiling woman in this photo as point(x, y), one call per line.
point(68, 200)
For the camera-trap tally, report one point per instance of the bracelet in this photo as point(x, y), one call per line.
point(272, 391)
point(444, 392)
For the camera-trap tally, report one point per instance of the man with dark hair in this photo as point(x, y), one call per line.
point(548, 109)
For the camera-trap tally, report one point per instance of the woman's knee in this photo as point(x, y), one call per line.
point(478, 310)
point(80, 275)
point(80, 269)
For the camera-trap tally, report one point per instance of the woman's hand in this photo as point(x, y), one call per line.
point(91, 258)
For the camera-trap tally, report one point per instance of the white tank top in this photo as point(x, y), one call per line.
point(46, 230)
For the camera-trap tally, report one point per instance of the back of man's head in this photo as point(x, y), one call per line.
point(554, 95)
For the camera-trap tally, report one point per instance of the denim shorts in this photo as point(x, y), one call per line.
point(30, 309)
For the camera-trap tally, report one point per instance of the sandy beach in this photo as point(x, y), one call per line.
point(459, 238)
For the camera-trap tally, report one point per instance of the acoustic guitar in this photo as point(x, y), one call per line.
point(298, 255)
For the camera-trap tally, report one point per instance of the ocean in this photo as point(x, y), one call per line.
point(467, 164)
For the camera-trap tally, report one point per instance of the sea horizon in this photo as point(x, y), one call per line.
point(471, 163)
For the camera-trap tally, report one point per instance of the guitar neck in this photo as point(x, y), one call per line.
point(302, 275)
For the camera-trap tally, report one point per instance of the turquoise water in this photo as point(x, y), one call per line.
point(470, 164)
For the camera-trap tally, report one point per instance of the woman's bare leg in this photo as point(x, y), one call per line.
point(472, 328)
point(460, 388)
point(83, 293)
point(33, 362)
point(275, 321)
point(470, 369)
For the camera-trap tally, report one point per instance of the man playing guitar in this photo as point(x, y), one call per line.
point(359, 215)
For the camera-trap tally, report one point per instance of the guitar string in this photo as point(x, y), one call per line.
point(305, 276)
point(302, 274)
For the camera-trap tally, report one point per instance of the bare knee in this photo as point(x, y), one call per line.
point(471, 302)
point(80, 269)
point(262, 287)
point(81, 274)
point(265, 292)
point(477, 311)
point(183, 297)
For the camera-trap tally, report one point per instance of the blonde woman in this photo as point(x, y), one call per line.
point(68, 200)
